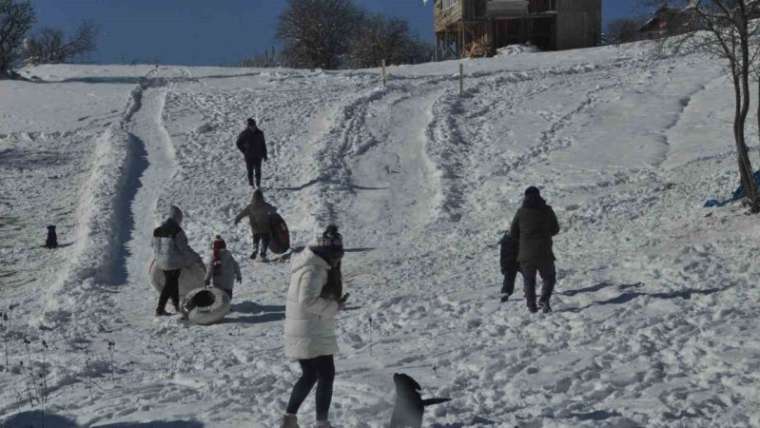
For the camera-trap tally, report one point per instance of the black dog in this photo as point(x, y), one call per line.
point(52, 238)
point(410, 406)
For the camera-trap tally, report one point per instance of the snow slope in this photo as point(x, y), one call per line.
point(655, 310)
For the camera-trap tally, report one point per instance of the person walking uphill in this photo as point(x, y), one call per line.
point(258, 213)
point(252, 144)
point(533, 227)
point(315, 296)
point(172, 254)
point(222, 269)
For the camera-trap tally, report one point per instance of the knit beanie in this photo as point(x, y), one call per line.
point(532, 190)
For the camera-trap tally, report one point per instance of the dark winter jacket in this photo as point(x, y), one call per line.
point(508, 253)
point(259, 213)
point(252, 144)
point(533, 227)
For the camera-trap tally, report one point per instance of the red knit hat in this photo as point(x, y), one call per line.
point(218, 246)
point(218, 243)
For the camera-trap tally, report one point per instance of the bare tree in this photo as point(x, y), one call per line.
point(386, 39)
point(623, 30)
point(317, 33)
point(730, 35)
point(16, 19)
point(50, 46)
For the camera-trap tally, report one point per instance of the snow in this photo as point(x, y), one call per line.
point(516, 49)
point(656, 305)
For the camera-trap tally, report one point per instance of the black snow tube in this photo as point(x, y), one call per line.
point(206, 306)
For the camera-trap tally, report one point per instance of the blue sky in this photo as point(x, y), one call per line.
point(209, 32)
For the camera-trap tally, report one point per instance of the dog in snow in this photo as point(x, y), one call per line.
point(409, 408)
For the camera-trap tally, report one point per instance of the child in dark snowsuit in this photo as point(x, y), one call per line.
point(509, 265)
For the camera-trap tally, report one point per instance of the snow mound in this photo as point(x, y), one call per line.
point(516, 49)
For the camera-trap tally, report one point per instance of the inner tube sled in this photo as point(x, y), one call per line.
point(206, 306)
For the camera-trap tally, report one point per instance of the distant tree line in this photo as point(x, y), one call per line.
point(48, 45)
point(333, 34)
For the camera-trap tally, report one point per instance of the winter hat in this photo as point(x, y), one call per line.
point(330, 241)
point(533, 198)
point(218, 244)
point(251, 122)
point(176, 214)
point(258, 196)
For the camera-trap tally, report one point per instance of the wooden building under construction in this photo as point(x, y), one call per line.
point(479, 27)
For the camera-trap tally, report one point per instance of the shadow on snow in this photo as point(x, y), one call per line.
point(628, 296)
point(257, 314)
point(154, 424)
point(136, 167)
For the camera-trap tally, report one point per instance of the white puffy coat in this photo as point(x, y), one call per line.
point(170, 248)
point(309, 318)
point(230, 271)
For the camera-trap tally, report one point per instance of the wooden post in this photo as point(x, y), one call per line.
point(461, 79)
point(385, 79)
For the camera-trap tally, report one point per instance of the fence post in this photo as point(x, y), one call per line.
point(461, 79)
point(385, 79)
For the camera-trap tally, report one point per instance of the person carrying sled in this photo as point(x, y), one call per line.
point(171, 254)
point(252, 145)
point(314, 298)
point(533, 227)
point(222, 270)
point(259, 214)
point(509, 266)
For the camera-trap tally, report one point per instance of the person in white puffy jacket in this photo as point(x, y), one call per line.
point(222, 270)
point(171, 254)
point(314, 298)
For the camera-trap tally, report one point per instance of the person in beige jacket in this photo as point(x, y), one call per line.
point(314, 298)
point(259, 213)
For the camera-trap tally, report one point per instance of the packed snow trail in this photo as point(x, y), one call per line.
point(655, 305)
point(146, 131)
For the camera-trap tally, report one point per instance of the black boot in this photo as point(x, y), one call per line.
point(162, 313)
point(504, 298)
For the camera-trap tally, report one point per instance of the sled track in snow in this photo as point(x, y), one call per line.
point(344, 139)
point(146, 130)
point(685, 103)
point(550, 141)
point(108, 221)
point(98, 254)
point(450, 151)
point(346, 142)
point(454, 150)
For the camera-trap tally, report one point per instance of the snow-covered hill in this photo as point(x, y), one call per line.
point(656, 313)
